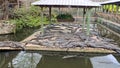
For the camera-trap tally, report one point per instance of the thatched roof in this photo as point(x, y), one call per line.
point(99, 0)
point(66, 3)
point(111, 2)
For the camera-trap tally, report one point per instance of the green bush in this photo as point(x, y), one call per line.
point(64, 16)
point(23, 17)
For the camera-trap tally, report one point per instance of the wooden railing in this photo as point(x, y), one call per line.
point(109, 16)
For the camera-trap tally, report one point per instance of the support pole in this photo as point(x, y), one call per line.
point(83, 26)
point(109, 8)
point(6, 10)
point(78, 11)
point(59, 10)
point(106, 8)
point(50, 22)
point(103, 8)
point(18, 3)
point(112, 8)
point(42, 25)
point(117, 9)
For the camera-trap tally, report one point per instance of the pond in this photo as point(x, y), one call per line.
point(44, 60)
point(35, 59)
point(18, 36)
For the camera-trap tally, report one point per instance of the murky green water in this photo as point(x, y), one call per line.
point(45, 60)
point(42, 60)
point(19, 35)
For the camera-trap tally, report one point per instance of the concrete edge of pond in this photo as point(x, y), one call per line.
point(111, 26)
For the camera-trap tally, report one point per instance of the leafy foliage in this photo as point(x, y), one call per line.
point(23, 17)
point(64, 16)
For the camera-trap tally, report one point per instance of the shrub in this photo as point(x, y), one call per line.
point(64, 16)
point(27, 18)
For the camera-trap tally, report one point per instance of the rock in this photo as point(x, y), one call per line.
point(6, 28)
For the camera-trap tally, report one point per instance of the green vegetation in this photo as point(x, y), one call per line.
point(65, 16)
point(111, 8)
point(23, 17)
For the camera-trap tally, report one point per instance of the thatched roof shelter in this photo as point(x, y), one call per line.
point(66, 3)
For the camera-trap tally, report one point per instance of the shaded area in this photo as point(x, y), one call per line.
point(6, 59)
point(18, 36)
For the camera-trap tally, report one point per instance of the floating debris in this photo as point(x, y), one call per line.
point(69, 56)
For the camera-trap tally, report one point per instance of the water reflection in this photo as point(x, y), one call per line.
point(26, 60)
point(18, 36)
point(58, 62)
point(46, 60)
point(6, 59)
point(108, 61)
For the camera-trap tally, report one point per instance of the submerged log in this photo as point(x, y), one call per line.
point(69, 56)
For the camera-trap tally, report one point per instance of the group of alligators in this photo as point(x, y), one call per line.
point(66, 36)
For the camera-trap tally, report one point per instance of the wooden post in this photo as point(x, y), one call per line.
point(106, 8)
point(95, 9)
point(100, 8)
point(103, 8)
point(59, 10)
point(117, 9)
point(78, 11)
point(6, 13)
point(84, 12)
point(42, 24)
point(50, 15)
point(112, 8)
point(18, 3)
